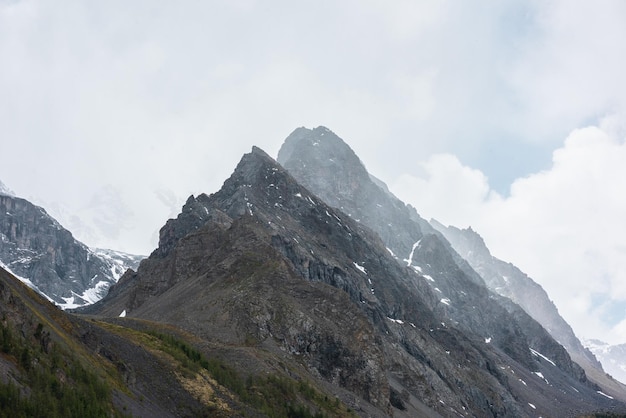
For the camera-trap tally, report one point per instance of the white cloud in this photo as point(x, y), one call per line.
point(571, 70)
point(447, 191)
point(564, 226)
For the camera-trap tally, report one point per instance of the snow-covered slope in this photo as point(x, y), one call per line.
point(24, 280)
point(117, 263)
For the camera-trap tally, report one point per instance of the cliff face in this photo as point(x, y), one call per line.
point(35, 247)
point(266, 267)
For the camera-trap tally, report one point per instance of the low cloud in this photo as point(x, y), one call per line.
point(563, 226)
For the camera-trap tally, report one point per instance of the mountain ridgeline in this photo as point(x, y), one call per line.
point(507, 280)
point(311, 271)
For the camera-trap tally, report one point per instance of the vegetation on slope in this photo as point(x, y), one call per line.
point(271, 395)
point(51, 382)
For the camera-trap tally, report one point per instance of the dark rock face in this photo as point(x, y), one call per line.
point(34, 246)
point(265, 264)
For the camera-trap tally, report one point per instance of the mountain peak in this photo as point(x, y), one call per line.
point(255, 169)
point(259, 152)
point(326, 165)
point(319, 143)
point(253, 160)
point(321, 160)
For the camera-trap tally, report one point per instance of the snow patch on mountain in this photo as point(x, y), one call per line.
point(118, 261)
point(539, 374)
point(360, 267)
point(89, 296)
point(410, 259)
point(604, 394)
point(538, 354)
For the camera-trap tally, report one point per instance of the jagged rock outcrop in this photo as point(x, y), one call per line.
point(267, 265)
point(37, 248)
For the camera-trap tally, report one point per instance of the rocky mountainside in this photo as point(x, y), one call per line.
point(509, 281)
point(325, 164)
point(53, 364)
point(36, 248)
point(612, 357)
point(291, 285)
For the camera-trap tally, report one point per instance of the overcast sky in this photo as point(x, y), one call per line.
point(506, 116)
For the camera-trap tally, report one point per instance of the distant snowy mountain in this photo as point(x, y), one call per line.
point(612, 357)
point(118, 261)
point(46, 256)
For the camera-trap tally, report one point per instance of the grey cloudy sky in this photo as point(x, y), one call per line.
point(507, 116)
